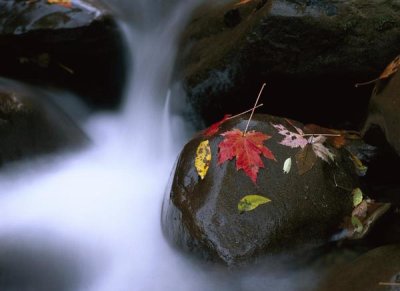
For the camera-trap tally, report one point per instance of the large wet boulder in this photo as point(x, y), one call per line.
point(79, 48)
point(308, 204)
point(31, 125)
point(378, 269)
point(310, 53)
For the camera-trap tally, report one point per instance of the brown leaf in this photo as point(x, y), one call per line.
point(336, 141)
point(361, 210)
point(305, 159)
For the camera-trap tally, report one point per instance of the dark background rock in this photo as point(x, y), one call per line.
point(310, 54)
point(366, 272)
point(31, 125)
point(201, 215)
point(78, 48)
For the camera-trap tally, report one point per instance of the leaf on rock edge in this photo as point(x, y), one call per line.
point(392, 68)
point(357, 196)
point(361, 169)
point(305, 159)
point(65, 3)
point(357, 224)
point(336, 141)
point(203, 158)
point(214, 128)
point(361, 209)
point(247, 149)
point(291, 139)
point(250, 202)
point(320, 150)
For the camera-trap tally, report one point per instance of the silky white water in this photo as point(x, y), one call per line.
point(96, 213)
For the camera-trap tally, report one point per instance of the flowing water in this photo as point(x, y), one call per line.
point(91, 220)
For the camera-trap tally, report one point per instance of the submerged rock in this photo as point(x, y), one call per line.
point(310, 53)
point(79, 48)
point(307, 205)
point(378, 269)
point(31, 125)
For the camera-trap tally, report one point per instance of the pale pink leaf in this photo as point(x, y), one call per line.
point(291, 139)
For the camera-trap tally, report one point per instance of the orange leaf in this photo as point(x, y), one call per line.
point(65, 3)
point(392, 68)
point(214, 128)
point(247, 148)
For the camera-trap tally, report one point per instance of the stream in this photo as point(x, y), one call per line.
point(90, 220)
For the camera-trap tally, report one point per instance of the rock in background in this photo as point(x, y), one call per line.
point(310, 53)
point(30, 125)
point(78, 48)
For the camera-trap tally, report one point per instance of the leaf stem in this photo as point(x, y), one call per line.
point(367, 83)
point(247, 111)
point(254, 108)
point(388, 284)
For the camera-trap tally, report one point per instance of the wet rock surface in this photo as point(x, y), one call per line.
point(306, 210)
point(375, 270)
point(31, 125)
point(78, 48)
point(310, 53)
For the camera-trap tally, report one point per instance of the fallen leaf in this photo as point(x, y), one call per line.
point(357, 225)
point(357, 196)
point(214, 128)
point(65, 3)
point(320, 150)
point(203, 158)
point(287, 165)
point(337, 138)
point(250, 202)
point(361, 169)
point(292, 139)
point(391, 69)
point(247, 148)
point(305, 159)
point(361, 209)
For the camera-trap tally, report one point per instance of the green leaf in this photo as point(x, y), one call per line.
point(357, 196)
point(250, 202)
point(358, 226)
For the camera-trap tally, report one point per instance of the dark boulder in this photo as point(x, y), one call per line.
point(306, 209)
point(79, 48)
point(378, 269)
point(31, 125)
point(310, 53)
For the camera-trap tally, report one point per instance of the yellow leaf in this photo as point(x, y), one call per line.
point(357, 196)
point(203, 158)
point(250, 202)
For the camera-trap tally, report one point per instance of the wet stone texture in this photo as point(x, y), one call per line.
point(378, 269)
point(201, 216)
point(78, 48)
point(31, 125)
point(310, 54)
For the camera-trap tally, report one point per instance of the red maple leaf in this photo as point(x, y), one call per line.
point(247, 148)
point(214, 128)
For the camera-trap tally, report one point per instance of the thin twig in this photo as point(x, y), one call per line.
point(338, 186)
point(254, 108)
point(367, 83)
point(247, 111)
point(388, 284)
point(69, 70)
point(323, 134)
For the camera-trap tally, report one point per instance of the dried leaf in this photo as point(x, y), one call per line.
point(357, 196)
point(214, 128)
point(250, 202)
point(305, 159)
point(361, 210)
point(292, 139)
point(247, 148)
point(391, 69)
point(322, 151)
point(287, 165)
point(65, 3)
point(357, 225)
point(361, 169)
point(203, 158)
